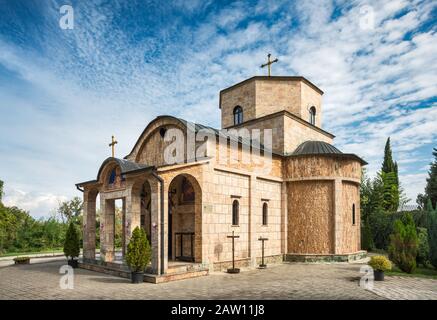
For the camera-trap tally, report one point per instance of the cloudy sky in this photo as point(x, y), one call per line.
point(63, 93)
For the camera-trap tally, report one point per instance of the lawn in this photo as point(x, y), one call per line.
point(22, 253)
point(419, 272)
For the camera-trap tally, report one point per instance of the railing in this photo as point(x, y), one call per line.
point(183, 238)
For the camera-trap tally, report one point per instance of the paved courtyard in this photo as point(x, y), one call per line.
point(284, 281)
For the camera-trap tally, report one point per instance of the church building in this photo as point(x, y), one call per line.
point(307, 204)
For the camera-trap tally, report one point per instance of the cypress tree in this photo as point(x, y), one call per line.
point(390, 179)
point(432, 232)
point(388, 164)
point(431, 181)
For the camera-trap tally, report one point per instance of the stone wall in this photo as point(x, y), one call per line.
point(310, 217)
point(350, 233)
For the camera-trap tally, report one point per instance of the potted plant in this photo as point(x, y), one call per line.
point(22, 260)
point(72, 245)
point(380, 264)
point(138, 254)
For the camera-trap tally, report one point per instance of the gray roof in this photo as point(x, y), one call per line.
point(322, 148)
point(126, 167)
point(315, 147)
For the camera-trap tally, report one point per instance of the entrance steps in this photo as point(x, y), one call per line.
point(175, 270)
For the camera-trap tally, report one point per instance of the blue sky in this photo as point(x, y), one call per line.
point(63, 93)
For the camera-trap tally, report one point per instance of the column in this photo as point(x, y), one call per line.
point(89, 224)
point(107, 229)
point(132, 210)
point(155, 208)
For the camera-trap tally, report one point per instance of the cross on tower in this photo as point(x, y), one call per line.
point(112, 144)
point(269, 63)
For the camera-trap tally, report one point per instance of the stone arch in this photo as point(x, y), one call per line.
point(182, 224)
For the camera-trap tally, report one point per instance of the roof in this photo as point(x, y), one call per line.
point(126, 167)
point(197, 128)
point(275, 78)
point(322, 148)
point(315, 147)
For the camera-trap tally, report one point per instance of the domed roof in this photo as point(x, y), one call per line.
point(316, 147)
point(322, 148)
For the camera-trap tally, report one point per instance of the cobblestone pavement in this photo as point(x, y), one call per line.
point(283, 281)
point(406, 288)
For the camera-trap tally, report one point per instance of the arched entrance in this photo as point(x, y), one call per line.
point(184, 219)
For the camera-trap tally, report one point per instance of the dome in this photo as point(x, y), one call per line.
point(315, 147)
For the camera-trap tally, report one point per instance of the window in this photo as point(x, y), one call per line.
point(353, 214)
point(235, 212)
point(112, 176)
point(265, 213)
point(238, 115)
point(162, 132)
point(313, 115)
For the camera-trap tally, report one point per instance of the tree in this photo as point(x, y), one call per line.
point(69, 210)
point(432, 233)
point(1, 191)
point(390, 179)
point(431, 181)
point(423, 249)
point(138, 251)
point(404, 244)
point(71, 245)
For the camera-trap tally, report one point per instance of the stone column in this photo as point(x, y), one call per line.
point(89, 224)
point(107, 229)
point(132, 209)
point(155, 209)
point(337, 223)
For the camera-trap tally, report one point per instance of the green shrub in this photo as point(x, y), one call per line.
point(380, 263)
point(72, 242)
point(138, 251)
point(403, 244)
point(423, 248)
point(366, 237)
point(432, 234)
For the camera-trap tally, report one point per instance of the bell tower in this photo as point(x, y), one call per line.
point(279, 103)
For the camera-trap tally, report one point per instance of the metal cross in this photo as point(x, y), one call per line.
point(269, 63)
point(112, 144)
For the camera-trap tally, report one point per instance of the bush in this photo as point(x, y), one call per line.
point(366, 237)
point(432, 234)
point(380, 263)
point(423, 248)
point(72, 242)
point(403, 244)
point(138, 251)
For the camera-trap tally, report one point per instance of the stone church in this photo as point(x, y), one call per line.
point(307, 204)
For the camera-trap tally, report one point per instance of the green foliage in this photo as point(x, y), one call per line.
point(390, 180)
point(423, 248)
point(431, 181)
point(366, 237)
point(138, 251)
point(432, 233)
point(71, 210)
point(404, 244)
point(72, 244)
point(380, 263)
point(388, 165)
point(1, 191)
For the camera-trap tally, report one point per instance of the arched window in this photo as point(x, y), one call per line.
point(235, 212)
point(238, 115)
point(265, 213)
point(353, 214)
point(112, 176)
point(313, 115)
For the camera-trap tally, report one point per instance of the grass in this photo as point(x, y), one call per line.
point(421, 272)
point(21, 253)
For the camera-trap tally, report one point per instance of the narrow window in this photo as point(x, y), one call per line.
point(313, 116)
point(235, 212)
point(238, 115)
point(265, 213)
point(353, 214)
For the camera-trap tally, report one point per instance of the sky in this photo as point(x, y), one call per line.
point(64, 92)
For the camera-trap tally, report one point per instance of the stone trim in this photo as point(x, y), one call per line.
point(353, 180)
point(182, 165)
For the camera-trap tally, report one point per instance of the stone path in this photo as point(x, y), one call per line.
point(283, 281)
